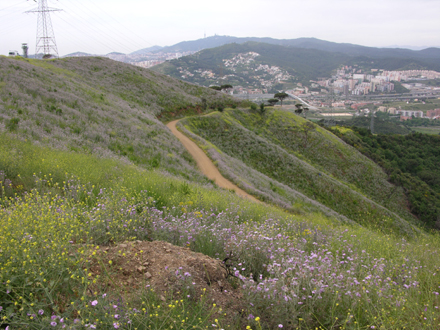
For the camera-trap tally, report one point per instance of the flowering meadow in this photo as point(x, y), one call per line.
point(293, 271)
point(335, 253)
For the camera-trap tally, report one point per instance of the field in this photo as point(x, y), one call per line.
point(427, 130)
point(312, 272)
point(429, 104)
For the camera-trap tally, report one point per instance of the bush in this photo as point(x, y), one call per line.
point(253, 106)
point(13, 124)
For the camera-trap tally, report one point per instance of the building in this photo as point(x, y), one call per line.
point(433, 113)
point(410, 113)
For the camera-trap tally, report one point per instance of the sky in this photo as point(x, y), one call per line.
point(104, 26)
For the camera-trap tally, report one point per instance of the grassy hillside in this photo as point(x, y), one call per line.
point(306, 158)
point(411, 162)
point(99, 106)
point(80, 224)
point(311, 272)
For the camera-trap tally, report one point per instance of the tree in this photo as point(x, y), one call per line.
point(299, 108)
point(281, 96)
point(216, 88)
point(225, 86)
point(305, 111)
point(262, 108)
point(272, 102)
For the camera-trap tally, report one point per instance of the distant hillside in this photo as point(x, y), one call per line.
point(78, 54)
point(147, 50)
point(209, 66)
point(308, 43)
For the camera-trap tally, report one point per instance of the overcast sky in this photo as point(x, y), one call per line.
point(103, 26)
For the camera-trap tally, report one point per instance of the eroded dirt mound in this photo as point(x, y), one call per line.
point(166, 268)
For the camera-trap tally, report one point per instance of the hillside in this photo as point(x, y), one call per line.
point(307, 43)
point(286, 65)
point(106, 223)
point(411, 162)
point(305, 158)
point(99, 106)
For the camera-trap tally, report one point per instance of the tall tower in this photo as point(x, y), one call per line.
point(46, 43)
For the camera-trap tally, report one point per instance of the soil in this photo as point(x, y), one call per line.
point(139, 264)
point(205, 164)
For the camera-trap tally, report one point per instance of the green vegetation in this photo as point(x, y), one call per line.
point(427, 130)
point(105, 223)
point(411, 162)
point(304, 64)
point(304, 157)
point(383, 124)
point(422, 122)
point(422, 104)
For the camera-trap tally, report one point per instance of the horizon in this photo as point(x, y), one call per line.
point(102, 27)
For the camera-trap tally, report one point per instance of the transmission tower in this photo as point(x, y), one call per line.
point(46, 43)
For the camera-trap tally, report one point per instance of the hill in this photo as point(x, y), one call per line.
point(106, 223)
point(99, 106)
point(147, 50)
point(307, 43)
point(275, 67)
point(297, 154)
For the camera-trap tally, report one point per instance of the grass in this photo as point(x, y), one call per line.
point(313, 273)
point(102, 107)
point(427, 130)
point(103, 172)
point(308, 160)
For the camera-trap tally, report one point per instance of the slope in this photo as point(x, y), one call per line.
point(308, 43)
point(303, 64)
point(75, 229)
point(305, 158)
point(100, 106)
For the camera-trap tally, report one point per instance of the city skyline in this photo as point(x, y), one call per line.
point(101, 27)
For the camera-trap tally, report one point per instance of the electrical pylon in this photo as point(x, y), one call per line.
point(45, 37)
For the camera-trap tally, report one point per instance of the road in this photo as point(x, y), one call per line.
point(205, 164)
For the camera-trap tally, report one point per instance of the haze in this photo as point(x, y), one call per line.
point(101, 27)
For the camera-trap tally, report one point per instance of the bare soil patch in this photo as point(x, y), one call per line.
point(167, 269)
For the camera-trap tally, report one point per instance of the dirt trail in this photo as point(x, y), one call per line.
point(205, 164)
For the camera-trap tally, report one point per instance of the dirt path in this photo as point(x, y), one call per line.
point(205, 164)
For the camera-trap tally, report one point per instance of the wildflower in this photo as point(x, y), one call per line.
point(280, 325)
point(116, 325)
point(41, 312)
point(53, 323)
point(94, 302)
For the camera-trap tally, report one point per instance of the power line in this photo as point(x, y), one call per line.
point(97, 30)
point(45, 35)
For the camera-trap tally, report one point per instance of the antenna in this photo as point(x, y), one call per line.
point(45, 37)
